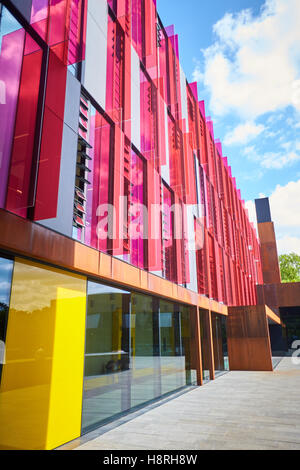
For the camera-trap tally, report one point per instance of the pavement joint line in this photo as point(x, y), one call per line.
point(212, 408)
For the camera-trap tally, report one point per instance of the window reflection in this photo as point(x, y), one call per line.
point(6, 268)
point(219, 343)
point(205, 345)
point(11, 57)
point(137, 349)
point(107, 354)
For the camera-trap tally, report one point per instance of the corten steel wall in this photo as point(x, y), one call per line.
point(111, 115)
point(269, 255)
point(279, 295)
point(248, 338)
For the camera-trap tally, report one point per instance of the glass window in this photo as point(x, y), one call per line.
point(187, 337)
point(146, 368)
point(11, 56)
point(172, 358)
point(205, 345)
point(219, 343)
point(44, 356)
point(107, 358)
point(6, 268)
point(137, 349)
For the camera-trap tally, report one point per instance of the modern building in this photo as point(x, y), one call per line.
point(128, 265)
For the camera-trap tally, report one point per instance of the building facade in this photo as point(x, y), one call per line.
point(123, 237)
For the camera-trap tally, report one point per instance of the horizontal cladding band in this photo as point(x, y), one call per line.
point(40, 243)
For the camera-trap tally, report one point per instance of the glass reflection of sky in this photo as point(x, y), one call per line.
point(6, 267)
point(95, 288)
point(8, 24)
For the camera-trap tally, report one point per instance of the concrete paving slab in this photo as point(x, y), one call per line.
point(239, 410)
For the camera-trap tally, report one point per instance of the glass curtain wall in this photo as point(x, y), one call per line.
point(20, 71)
point(205, 345)
point(219, 343)
point(6, 269)
point(137, 349)
point(107, 356)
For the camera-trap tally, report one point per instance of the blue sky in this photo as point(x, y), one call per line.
point(245, 56)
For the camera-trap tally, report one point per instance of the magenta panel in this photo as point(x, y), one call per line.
point(11, 58)
point(113, 174)
point(19, 196)
point(50, 153)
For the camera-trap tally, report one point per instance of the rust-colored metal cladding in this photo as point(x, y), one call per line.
point(33, 240)
point(248, 338)
point(280, 295)
point(269, 254)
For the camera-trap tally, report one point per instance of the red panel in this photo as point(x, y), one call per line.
point(115, 71)
point(50, 155)
point(127, 88)
point(150, 37)
point(18, 194)
point(154, 221)
point(189, 173)
point(118, 191)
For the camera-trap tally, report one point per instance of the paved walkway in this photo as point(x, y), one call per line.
point(239, 410)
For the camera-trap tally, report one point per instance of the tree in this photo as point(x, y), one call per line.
point(290, 267)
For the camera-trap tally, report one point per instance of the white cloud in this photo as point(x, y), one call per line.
point(284, 203)
point(288, 244)
point(197, 73)
point(251, 212)
point(243, 133)
point(253, 66)
point(274, 160)
point(277, 161)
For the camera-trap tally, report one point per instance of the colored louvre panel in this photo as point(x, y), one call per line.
point(150, 35)
point(176, 157)
point(39, 17)
point(22, 178)
point(82, 171)
point(77, 31)
point(139, 124)
point(62, 24)
point(154, 202)
point(115, 71)
point(11, 57)
point(96, 194)
point(50, 153)
point(137, 26)
point(163, 63)
point(201, 265)
point(212, 268)
point(138, 215)
point(118, 190)
point(168, 236)
point(149, 143)
point(189, 173)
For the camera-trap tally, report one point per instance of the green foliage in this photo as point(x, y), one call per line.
point(290, 267)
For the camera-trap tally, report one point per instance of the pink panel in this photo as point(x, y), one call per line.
point(118, 190)
point(49, 164)
point(11, 57)
point(137, 234)
point(39, 17)
point(98, 192)
point(154, 220)
point(20, 180)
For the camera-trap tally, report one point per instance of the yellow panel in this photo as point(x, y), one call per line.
point(41, 385)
